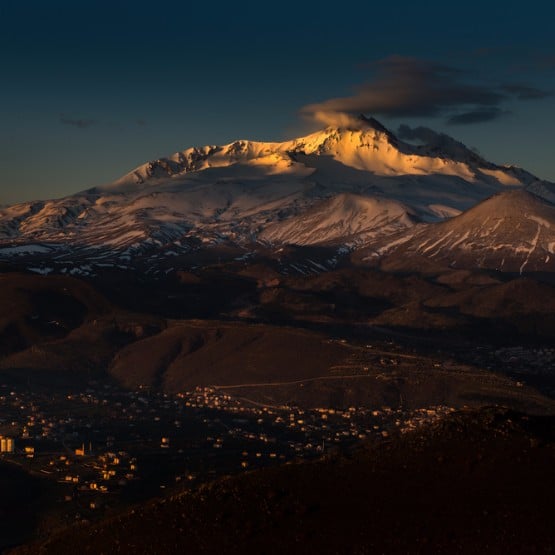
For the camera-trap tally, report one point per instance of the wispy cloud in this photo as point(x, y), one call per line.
point(477, 116)
point(410, 87)
point(524, 92)
point(80, 123)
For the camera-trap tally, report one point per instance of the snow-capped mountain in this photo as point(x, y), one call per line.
point(513, 231)
point(339, 186)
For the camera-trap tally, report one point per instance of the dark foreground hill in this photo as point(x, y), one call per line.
point(478, 482)
point(34, 309)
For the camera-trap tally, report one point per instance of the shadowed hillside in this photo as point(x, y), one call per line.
point(475, 483)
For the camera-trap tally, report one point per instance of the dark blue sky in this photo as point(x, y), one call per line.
point(91, 89)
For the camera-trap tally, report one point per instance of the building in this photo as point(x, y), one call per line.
point(7, 445)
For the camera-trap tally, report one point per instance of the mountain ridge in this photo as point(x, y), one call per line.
point(337, 141)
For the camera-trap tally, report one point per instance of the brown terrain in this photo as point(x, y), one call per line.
point(480, 481)
point(314, 351)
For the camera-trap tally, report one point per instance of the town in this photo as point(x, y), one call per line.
point(106, 447)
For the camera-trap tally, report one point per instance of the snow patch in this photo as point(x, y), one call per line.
point(25, 249)
point(41, 271)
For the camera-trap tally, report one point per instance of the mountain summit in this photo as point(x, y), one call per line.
point(366, 146)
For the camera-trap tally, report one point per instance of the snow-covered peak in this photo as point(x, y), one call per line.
point(512, 231)
point(364, 144)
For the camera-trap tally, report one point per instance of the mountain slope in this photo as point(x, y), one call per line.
point(343, 219)
point(513, 231)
